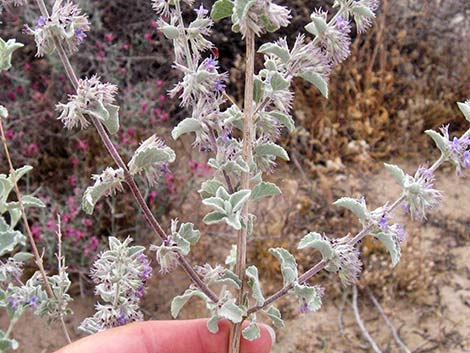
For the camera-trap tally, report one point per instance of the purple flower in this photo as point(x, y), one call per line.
point(13, 303)
point(219, 85)
point(201, 11)
point(210, 64)
point(41, 22)
point(400, 233)
point(405, 207)
point(341, 23)
point(33, 302)
point(80, 35)
point(383, 222)
point(122, 320)
point(466, 159)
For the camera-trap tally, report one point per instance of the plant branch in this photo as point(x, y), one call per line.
point(388, 322)
point(148, 215)
point(37, 257)
point(247, 155)
point(357, 238)
point(361, 324)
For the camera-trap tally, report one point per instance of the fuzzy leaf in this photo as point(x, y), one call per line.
point(316, 80)
point(278, 83)
point(186, 126)
point(215, 202)
point(271, 48)
point(170, 32)
point(214, 217)
point(397, 173)
point(264, 189)
point(112, 121)
point(391, 245)
point(3, 224)
point(258, 90)
point(221, 9)
point(231, 278)
point(149, 153)
point(209, 188)
point(188, 233)
point(439, 140)
point(275, 315)
point(28, 201)
point(20, 172)
point(252, 331)
point(234, 221)
point(363, 11)
point(6, 50)
point(316, 241)
point(465, 109)
point(231, 311)
point(213, 324)
point(23, 256)
point(15, 215)
point(179, 301)
point(106, 184)
point(308, 296)
point(238, 199)
point(8, 241)
point(253, 282)
point(353, 205)
point(271, 149)
point(284, 119)
point(288, 264)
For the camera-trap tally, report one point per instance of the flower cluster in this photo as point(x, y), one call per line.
point(120, 275)
point(65, 23)
point(420, 194)
point(92, 98)
point(178, 243)
point(152, 157)
point(203, 85)
point(458, 149)
point(259, 16)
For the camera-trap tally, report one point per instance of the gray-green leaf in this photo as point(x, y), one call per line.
point(357, 207)
point(316, 241)
point(265, 189)
point(255, 285)
point(288, 264)
point(186, 126)
point(221, 9)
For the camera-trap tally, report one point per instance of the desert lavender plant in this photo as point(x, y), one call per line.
point(240, 163)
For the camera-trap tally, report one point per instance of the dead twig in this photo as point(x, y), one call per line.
point(360, 323)
point(388, 322)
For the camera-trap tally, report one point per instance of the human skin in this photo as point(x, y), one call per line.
point(182, 336)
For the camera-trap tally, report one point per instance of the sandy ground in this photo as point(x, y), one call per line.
point(433, 320)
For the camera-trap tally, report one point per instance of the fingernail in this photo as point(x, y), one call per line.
point(272, 333)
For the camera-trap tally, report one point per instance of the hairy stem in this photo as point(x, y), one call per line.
point(148, 215)
point(247, 154)
point(37, 256)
